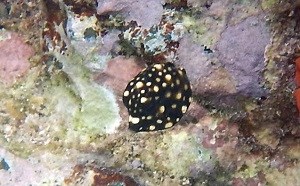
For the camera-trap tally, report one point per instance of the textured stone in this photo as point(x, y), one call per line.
point(241, 50)
point(90, 175)
point(118, 73)
point(145, 13)
point(14, 57)
point(193, 59)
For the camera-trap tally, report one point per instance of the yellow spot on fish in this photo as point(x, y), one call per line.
point(126, 93)
point(158, 66)
point(143, 99)
point(168, 94)
point(168, 125)
point(183, 109)
point(161, 109)
point(135, 120)
point(152, 127)
point(139, 84)
point(149, 117)
point(159, 121)
point(178, 95)
point(168, 77)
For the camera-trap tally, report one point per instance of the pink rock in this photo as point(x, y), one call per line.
point(145, 13)
point(14, 57)
point(192, 58)
point(241, 51)
point(118, 73)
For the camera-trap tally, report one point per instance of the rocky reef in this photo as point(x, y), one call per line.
point(65, 64)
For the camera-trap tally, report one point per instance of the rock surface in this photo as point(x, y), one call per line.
point(89, 175)
point(14, 57)
point(241, 50)
point(134, 10)
point(66, 121)
point(118, 72)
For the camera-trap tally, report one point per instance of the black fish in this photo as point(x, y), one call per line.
point(157, 97)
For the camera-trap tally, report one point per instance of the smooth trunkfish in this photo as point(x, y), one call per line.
point(157, 97)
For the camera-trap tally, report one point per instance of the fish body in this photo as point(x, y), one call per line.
point(157, 97)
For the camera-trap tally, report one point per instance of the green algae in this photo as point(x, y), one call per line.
point(191, 154)
point(200, 29)
point(98, 112)
point(40, 123)
point(54, 108)
point(288, 176)
point(269, 4)
point(251, 168)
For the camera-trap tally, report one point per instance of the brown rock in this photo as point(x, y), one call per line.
point(219, 81)
point(90, 175)
point(195, 113)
